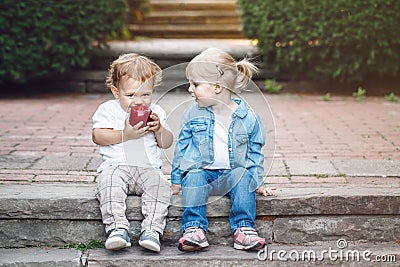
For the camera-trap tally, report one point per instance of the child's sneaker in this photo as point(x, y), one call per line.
point(150, 239)
point(246, 238)
point(193, 239)
point(118, 239)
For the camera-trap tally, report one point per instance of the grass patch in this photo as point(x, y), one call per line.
point(392, 98)
point(272, 86)
point(327, 97)
point(360, 94)
point(85, 246)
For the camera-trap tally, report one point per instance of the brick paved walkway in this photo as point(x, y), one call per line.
point(308, 127)
point(48, 139)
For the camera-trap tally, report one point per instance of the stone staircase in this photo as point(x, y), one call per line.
point(169, 54)
point(189, 19)
point(309, 218)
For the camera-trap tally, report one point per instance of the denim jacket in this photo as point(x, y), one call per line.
point(195, 146)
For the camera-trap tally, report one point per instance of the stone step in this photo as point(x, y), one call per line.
point(339, 253)
point(54, 215)
point(188, 19)
point(227, 31)
point(227, 256)
point(191, 16)
point(40, 257)
point(171, 54)
point(168, 5)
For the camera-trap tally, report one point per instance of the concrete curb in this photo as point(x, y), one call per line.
point(33, 257)
point(227, 256)
point(55, 215)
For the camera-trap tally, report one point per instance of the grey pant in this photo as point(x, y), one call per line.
point(116, 182)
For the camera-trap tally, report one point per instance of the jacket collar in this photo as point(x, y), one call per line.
point(241, 110)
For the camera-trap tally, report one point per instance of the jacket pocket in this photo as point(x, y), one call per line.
point(241, 147)
point(199, 133)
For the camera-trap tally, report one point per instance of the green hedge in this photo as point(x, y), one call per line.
point(42, 36)
point(326, 39)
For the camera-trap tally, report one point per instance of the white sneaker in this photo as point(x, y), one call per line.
point(118, 239)
point(193, 239)
point(150, 239)
point(246, 238)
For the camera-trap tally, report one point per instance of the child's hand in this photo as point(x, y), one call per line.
point(266, 191)
point(154, 125)
point(176, 188)
point(133, 132)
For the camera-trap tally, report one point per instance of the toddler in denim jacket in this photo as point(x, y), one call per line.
point(218, 151)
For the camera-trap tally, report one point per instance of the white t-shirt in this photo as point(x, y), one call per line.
point(141, 152)
point(221, 153)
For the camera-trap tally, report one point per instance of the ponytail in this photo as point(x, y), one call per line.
point(246, 69)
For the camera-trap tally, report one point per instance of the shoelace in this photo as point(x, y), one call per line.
point(151, 233)
point(190, 230)
point(118, 232)
point(248, 231)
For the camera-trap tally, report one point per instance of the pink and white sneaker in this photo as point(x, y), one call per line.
point(193, 239)
point(246, 238)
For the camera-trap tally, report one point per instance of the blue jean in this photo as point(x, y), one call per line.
point(197, 185)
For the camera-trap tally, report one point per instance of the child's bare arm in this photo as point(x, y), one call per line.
point(164, 137)
point(106, 136)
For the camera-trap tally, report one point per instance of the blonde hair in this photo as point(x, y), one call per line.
point(133, 66)
point(214, 65)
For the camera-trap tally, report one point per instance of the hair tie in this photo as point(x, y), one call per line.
point(221, 72)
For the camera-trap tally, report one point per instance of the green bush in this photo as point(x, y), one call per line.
point(326, 40)
point(392, 97)
point(137, 10)
point(41, 36)
point(272, 86)
point(360, 94)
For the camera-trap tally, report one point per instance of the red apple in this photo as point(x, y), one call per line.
point(140, 113)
